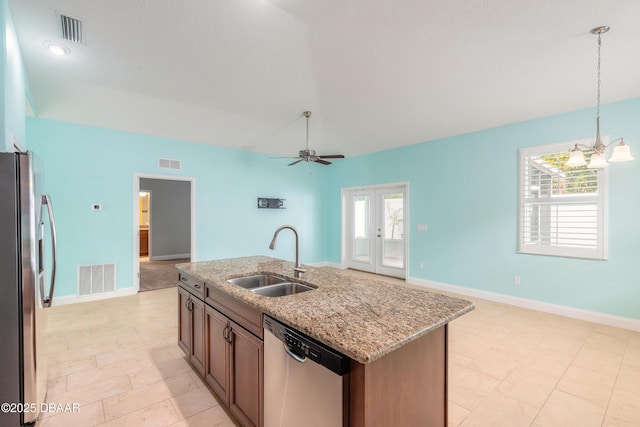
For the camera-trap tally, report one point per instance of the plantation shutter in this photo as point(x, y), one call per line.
point(562, 209)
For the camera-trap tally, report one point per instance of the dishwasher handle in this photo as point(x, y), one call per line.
point(297, 358)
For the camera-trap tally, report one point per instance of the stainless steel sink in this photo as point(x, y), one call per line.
point(282, 289)
point(256, 281)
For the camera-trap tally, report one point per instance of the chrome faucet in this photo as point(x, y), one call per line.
point(297, 270)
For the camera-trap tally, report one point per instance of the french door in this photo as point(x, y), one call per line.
point(376, 230)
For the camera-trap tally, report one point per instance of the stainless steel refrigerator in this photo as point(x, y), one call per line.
point(26, 288)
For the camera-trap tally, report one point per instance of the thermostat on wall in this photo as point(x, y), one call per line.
point(265, 203)
point(96, 207)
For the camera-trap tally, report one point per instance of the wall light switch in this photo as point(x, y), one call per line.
point(96, 207)
point(422, 227)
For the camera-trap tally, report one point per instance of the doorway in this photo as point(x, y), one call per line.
point(374, 229)
point(164, 229)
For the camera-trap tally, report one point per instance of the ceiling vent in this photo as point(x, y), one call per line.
point(169, 164)
point(71, 29)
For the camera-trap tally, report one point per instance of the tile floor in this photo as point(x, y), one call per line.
point(119, 360)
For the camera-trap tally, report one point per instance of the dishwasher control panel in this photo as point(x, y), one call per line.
point(306, 347)
point(301, 348)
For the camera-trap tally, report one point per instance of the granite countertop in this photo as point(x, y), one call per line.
point(361, 318)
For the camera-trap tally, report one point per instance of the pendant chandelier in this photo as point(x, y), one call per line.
point(621, 153)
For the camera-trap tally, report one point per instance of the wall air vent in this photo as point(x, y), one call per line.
point(71, 29)
point(169, 164)
point(96, 279)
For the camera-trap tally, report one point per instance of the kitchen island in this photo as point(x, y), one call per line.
point(395, 336)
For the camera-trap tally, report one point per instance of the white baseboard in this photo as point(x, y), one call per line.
point(73, 299)
point(561, 310)
point(167, 257)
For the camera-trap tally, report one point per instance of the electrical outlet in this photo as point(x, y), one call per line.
point(420, 265)
point(516, 280)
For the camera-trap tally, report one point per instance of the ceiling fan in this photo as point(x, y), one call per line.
point(308, 155)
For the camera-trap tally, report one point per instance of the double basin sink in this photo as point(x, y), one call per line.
point(269, 285)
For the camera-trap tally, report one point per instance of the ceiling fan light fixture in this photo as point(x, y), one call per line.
point(308, 155)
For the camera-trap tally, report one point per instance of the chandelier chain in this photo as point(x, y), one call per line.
point(598, 99)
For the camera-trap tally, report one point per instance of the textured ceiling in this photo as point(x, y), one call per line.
point(376, 74)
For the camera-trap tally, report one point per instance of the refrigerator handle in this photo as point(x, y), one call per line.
point(46, 200)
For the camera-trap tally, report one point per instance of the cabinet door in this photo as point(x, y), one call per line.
point(184, 321)
point(197, 338)
point(144, 242)
point(216, 369)
point(245, 400)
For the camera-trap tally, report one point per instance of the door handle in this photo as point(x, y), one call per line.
point(46, 200)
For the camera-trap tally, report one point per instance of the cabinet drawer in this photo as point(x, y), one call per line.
point(248, 317)
point(193, 285)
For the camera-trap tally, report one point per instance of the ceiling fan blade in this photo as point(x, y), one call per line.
point(332, 156)
point(292, 157)
point(297, 161)
point(322, 162)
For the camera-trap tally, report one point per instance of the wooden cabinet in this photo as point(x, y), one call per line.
point(233, 366)
point(144, 241)
point(407, 387)
point(191, 328)
point(246, 376)
point(217, 358)
point(222, 339)
point(184, 321)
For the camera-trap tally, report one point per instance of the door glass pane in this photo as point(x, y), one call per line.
point(393, 232)
point(361, 229)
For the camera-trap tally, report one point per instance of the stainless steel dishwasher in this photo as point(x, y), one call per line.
point(304, 380)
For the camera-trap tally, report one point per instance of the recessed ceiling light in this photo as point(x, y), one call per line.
point(57, 49)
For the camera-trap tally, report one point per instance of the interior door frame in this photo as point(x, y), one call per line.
point(136, 219)
point(345, 240)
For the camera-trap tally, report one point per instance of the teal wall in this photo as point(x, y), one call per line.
point(14, 86)
point(465, 188)
point(86, 165)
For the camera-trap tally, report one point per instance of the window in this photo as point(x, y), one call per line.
point(562, 209)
